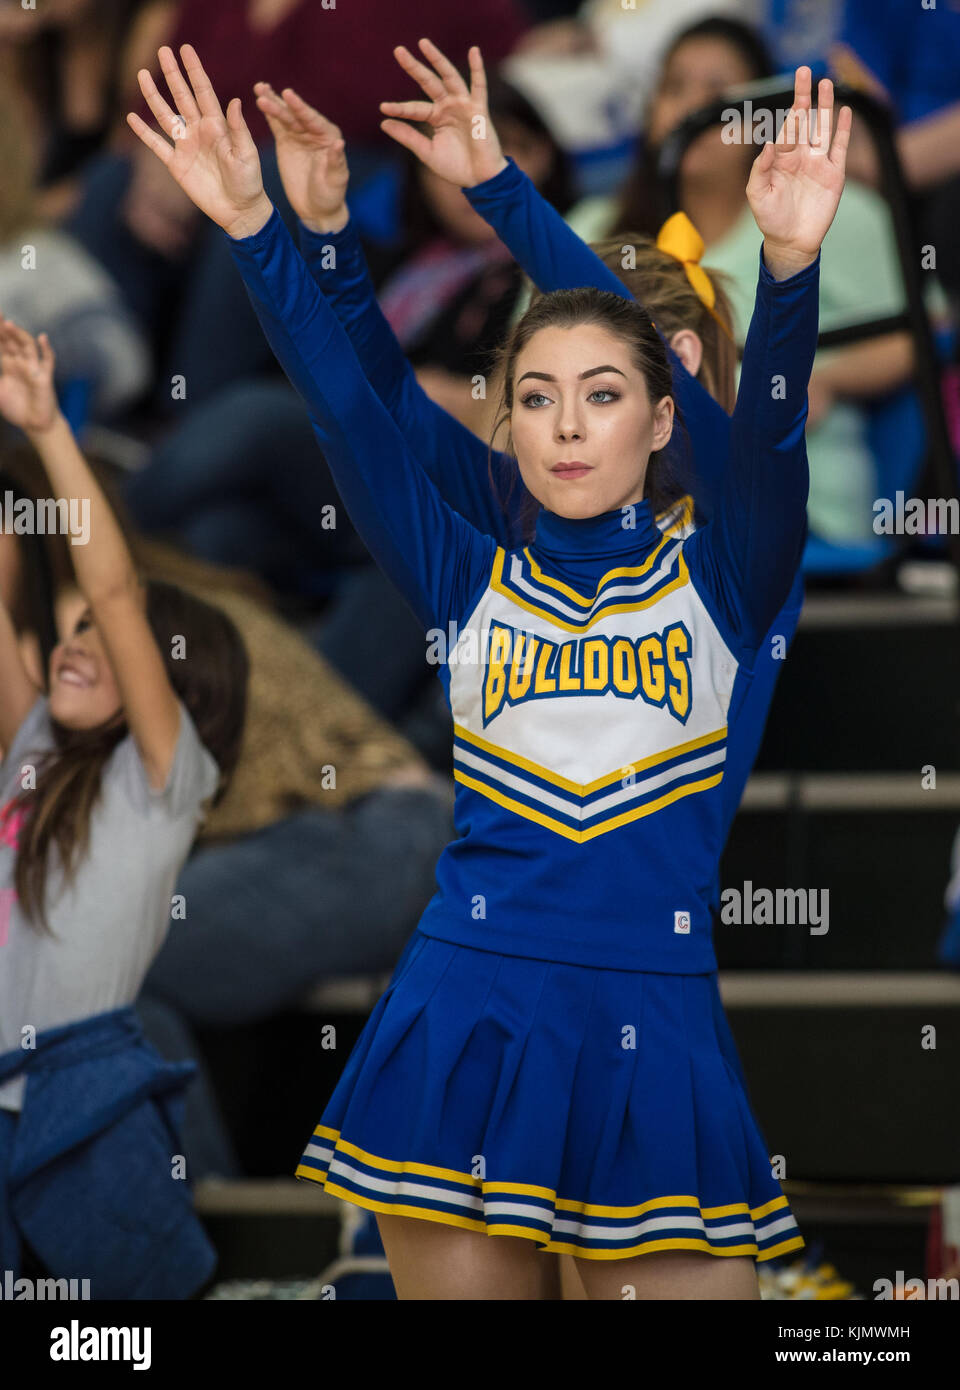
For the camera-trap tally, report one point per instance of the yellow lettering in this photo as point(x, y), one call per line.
point(495, 683)
point(524, 654)
point(678, 646)
point(624, 666)
point(652, 674)
point(567, 682)
point(543, 686)
point(595, 664)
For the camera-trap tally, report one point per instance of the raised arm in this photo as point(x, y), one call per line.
point(437, 560)
point(744, 560)
point(103, 565)
point(465, 150)
point(313, 169)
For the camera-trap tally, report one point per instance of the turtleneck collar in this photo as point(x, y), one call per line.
point(625, 530)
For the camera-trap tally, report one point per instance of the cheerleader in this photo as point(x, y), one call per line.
point(313, 170)
point(102, 787)
point(548, 1067)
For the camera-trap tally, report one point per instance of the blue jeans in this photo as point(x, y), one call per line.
point(320, 893)
point(242, 481)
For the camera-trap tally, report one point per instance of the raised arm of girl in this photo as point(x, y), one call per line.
point(744, 560)
point(464, 149)
point(436, 559)
point(103, 565)
point(313, 169)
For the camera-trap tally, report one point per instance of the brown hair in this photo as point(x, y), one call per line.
point(659, 282)
point(213, 688)
point(626, 320)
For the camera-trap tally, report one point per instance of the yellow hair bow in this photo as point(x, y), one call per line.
point(678, 237)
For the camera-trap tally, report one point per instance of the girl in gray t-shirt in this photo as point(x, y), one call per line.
point(104, 778)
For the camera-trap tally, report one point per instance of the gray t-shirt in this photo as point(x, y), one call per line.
point(112, 920)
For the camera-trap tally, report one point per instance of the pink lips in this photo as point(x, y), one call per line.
point(570, 470)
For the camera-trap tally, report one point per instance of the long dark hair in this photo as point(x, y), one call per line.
point(626, 320)
point(642, 205)
point(211, 681)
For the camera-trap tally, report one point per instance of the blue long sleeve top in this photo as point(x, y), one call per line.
point(85, 1164)
point(591, 673)
point(471, 478)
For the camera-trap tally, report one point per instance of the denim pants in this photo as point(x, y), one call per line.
point(242, 481)
point(319, 894)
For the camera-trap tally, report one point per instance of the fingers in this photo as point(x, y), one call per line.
point(179, 89)
point(167, 119)
point(17, 342)
point(202, 86)
point(841, 141)
point(802, 84)
point(274, 108)
point(478, 77)
point(413, 140)
point(309, 114)
point(150, 138)
point(452, 80)
point(824, 121)
point(407, 110)
point(241, 139)
point(421, 74)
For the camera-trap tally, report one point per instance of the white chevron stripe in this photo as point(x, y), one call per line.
point(629, 589)
point(571, 807)
point(560, 1224)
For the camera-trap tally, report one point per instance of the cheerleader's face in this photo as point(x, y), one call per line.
point(582, 423)
point(83, 688)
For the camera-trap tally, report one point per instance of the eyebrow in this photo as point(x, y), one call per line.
point(594, 371)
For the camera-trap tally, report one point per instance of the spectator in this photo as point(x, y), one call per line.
point(48, 282)
point(860, 276)
point(133, 218)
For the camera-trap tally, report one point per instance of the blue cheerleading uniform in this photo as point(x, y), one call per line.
point(461, 465)
point(552, 1061)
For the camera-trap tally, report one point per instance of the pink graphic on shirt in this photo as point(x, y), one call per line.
point(11, 819)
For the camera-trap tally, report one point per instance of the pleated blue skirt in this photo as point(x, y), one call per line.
point(600, 1113)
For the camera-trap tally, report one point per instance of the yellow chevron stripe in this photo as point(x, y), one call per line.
point(580, 837)
point(624, 572)
point(497, 583)
point(584, 788)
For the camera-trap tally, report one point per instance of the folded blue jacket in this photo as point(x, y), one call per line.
point(87, 1171)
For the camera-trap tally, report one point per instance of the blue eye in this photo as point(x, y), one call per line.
point(604, 391)
point(533, 395)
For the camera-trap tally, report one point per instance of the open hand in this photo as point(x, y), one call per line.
point(213, 157)
point(27, 395)
point(795, 184)
point(465, 148)
point(311, 158)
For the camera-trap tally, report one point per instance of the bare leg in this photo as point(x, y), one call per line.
point(430, 1260)
point(570, 1280)
point(671, 1274)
